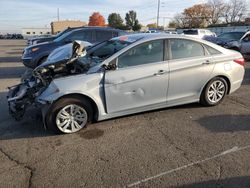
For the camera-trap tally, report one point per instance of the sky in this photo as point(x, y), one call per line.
point(17, 14)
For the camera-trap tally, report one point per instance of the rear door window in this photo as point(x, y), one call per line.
point(182, 48)
point(212, 51)
point(82, 36)
point(103, 35)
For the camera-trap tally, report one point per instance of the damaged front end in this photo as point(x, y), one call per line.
point(62, 62)
point(22, 96)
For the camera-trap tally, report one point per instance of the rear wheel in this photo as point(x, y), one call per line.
point(69, 115)
point(214, 92)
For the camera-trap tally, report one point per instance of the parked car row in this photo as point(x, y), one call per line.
point(236, 40)
point(11, 36)
point(127, 74)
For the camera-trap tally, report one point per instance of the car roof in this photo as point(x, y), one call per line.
point(152, 36)
point(144, 37)
point(96, 28)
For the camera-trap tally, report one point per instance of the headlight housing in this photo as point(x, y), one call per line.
point(31, 50)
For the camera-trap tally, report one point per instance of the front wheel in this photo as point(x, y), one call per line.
point(214, 92)
point(69, 115)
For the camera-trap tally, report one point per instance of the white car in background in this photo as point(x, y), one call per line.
point(198, 33)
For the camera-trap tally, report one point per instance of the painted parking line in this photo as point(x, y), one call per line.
point(230, 151)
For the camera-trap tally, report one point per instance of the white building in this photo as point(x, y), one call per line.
point(32, 32)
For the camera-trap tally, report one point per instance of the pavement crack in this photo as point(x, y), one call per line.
point(182, 151)
point(19, 164)
point(235, 101)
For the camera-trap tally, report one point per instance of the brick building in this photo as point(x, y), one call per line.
point(59, 26)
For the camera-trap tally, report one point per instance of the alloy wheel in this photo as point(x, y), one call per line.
point(71, 118)
point(216, 91)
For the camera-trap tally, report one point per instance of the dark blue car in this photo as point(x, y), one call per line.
point(37, 54)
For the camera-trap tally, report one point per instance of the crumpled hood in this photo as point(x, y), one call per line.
point(65, 52)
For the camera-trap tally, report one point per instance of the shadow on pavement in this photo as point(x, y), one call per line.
point(247, 77)
point(13, 45)
point(30, 127)
point(235, 182)
point(10, 59)
point(226, 123)
point(11, 72)
point(17, 52)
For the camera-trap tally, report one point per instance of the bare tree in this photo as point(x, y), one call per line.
point(180, 21)
point(217, 8)
point(235, 10)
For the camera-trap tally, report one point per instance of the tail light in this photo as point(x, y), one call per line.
point(240, 61)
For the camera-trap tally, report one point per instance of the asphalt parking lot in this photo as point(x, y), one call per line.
point(186, 146)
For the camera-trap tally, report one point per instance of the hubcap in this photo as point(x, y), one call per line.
point(71, 118)
point(216, 91)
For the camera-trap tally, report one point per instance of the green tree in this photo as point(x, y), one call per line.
point(115, 20)
point(152, 25)
point(172, 24)
point(132, 22)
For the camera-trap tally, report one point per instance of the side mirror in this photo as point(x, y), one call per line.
point(111, 66)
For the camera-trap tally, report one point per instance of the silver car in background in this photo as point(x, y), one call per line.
point(127, 75)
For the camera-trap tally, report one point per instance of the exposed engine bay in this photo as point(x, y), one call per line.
point(64, 61)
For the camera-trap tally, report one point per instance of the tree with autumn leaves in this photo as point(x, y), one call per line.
point(210, 13)
point(96, 19)
point(116, 21)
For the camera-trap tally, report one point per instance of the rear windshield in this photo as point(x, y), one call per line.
point(190, 32)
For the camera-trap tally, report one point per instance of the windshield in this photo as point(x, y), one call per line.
point(102, 51)
point(190, 32)
point(232, 36)
point(61, 33)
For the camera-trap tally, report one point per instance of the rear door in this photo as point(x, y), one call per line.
point(82, 35)
point(190, 68)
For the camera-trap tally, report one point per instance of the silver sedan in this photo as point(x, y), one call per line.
point(138, 73)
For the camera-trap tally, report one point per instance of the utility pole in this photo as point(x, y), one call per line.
point(158, 13)
point(58, 15)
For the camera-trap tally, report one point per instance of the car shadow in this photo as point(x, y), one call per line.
point(13, 45)
point(11, 72)
point(226, 123)
point(10, 59)
point(234, 182)
point(30, 127)
point(16, 52)
point(246, 80)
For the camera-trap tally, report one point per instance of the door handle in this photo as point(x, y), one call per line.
point(207, 62)
point(160, 72)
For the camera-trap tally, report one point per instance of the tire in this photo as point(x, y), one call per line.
point(213, 97)
point(61, 110)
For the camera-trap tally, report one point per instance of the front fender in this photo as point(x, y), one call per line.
point(87, 85)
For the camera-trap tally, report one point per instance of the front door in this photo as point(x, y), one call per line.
point(140, 80)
